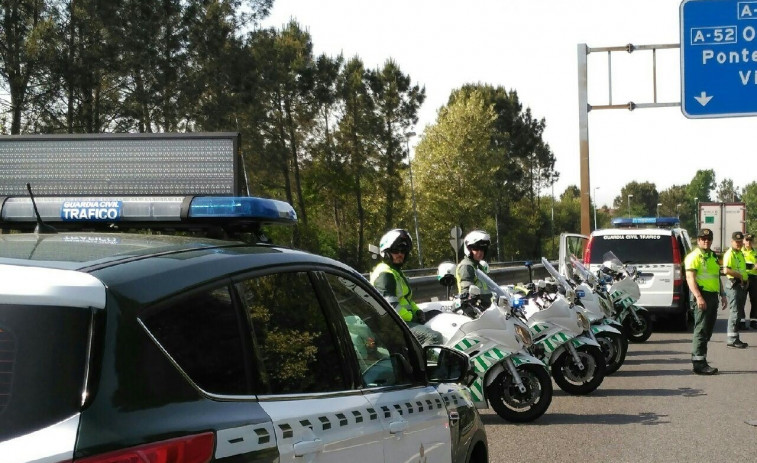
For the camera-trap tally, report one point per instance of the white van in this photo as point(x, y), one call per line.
point(658, 254)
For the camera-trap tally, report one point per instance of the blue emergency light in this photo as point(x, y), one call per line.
point(155, 211)
point(630, 222)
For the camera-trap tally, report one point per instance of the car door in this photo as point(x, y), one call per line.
point(570, 244)
point(303, 381)
point(413, 413)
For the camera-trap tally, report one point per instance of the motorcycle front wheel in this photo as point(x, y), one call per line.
point(518, 407)
point(614, 347)
point(638, 331)
point(579, 381)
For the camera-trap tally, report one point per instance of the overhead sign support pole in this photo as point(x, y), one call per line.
point(584, 108)
point(583, 137)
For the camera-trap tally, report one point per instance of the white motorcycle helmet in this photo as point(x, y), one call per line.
point(476, 239)
point(397, 239)
point(446, 274)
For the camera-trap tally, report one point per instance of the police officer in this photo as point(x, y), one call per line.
point(703, 279)
point(475, 246)
point(734, 267)
point(391, 282)
point(750, 256)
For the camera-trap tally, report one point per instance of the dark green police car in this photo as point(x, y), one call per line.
point(158, 348)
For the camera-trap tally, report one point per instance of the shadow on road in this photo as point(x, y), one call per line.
point(664, 341)
point(641, 361)
point(566, 418)
point(646, 353)
point(682, 392)
point(636, 373)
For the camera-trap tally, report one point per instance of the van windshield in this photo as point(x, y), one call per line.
point(43, 358)
point(633, 248)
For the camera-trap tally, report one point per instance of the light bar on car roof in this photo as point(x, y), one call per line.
point(147, 209)
point(656, 221)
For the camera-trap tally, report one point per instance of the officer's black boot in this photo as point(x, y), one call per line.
point(702, 368)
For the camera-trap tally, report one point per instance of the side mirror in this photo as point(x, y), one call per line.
point(445, 365)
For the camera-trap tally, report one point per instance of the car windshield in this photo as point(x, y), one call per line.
point(633, 248)
point(43, 359)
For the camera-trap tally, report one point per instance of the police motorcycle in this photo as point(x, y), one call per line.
point(598, 308)
point(576, 359)
point(620, 281)
point(508, 377)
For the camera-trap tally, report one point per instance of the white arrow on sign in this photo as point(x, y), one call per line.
point(703, 99)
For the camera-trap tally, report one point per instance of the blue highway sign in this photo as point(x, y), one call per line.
point(718, 58)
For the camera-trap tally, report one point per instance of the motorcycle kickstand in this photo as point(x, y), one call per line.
point(516, 376)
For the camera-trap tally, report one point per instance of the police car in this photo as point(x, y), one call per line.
point(137, 347)
point(656, 246)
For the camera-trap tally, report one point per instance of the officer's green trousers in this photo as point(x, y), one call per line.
point(704, 322)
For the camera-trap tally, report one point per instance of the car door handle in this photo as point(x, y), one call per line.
point(454, 418)
point(398, 426)
point(307, 446)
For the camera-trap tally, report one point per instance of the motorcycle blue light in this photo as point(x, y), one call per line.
point(241, 207)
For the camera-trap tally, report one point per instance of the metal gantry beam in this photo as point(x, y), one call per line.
point(584, 108)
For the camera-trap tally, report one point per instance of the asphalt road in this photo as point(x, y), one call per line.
point(652, 409)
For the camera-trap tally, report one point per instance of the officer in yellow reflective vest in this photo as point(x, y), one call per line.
point(750, 256)
point(734, 268)
point(388, 279)
point(475, 246)
point(703, 279)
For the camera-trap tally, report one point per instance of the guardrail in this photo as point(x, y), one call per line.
point(427, 286)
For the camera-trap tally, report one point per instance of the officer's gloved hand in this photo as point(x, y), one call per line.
point(419, 317)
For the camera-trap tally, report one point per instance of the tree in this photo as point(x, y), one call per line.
point(525, 163)
point(24, 24)
point(701, 186)
point(727, 192)
point(750, 199)
point(643, 199)
point(453, 161)
point(357, 130)
point(675, 203)
point(397, 103)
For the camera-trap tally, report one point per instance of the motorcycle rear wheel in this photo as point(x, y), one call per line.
point(574, 381)
point(520, 407)
point(614, 347)
point(638, 331)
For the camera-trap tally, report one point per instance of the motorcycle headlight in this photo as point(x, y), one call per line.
point(583, 322)
point(524, 334)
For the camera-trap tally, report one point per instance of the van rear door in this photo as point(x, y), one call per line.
point(570, 244)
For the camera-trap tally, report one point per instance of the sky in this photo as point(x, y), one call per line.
point(530, 46)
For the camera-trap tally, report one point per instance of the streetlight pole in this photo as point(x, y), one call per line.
point(412, 196)
point(678, 210)
point(629, 205)
point(658, 209)
point(696, 214)
point(595, 207)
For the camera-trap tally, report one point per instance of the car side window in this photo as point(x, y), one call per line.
point(294, 349)
point(202, 333)
point(378, 340)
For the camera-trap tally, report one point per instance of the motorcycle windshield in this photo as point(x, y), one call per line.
point(582, 271)
point(560, 279)
point(496, 290)
point(610, 256)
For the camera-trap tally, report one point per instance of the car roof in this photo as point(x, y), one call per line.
point(146, 268)
point(74, 251)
